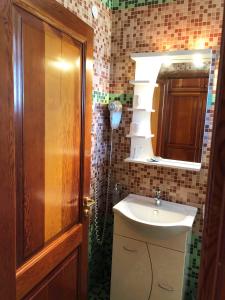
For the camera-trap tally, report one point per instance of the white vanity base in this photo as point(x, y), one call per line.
point(147, 264)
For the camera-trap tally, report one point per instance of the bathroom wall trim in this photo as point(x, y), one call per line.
point(212, 274)
point(7, 168)
point(121, 4)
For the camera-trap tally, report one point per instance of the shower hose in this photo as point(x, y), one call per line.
point(100, 235)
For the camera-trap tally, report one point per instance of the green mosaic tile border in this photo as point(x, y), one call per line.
point(106, 98)
point(193, 267)
point(108, 3)
point(211, 99)
point(123, 98)
point(128, 98)
point(100, 97)
point(124, 4)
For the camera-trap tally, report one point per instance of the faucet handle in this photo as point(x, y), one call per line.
point(158, 193)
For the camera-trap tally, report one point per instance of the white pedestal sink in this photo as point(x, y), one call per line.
point(150, 246)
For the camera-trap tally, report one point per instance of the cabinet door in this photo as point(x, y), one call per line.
point(131, 270)
point(168, 273)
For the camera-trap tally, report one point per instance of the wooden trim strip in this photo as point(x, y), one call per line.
point(57, 16)
point(86, 160)
point(210, 284)
point(35, 293)
point(39, 266)
point(7, 157)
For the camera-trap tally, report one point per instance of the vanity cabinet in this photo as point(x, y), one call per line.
point(147, 264)
point(132, 269)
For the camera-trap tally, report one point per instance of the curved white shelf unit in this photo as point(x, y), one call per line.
point(140, 136)
point(167, 163)
point(140, 109)
point(146, 73)
point(143, 82)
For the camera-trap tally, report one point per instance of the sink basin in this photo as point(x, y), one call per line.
point(143, 210)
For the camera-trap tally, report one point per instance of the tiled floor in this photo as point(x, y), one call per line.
point(100, 263)
point(100, 292)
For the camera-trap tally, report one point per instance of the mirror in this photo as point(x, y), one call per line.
point(169, 108)
point(179, 106)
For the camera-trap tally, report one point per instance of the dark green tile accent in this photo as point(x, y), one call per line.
point(100, 261)
point(211, 98)
point(108, 3)
point(124, 4)
point(193, 267)
point(123, 98)
point(100, 97)
point(105, 98)
point(128, 98)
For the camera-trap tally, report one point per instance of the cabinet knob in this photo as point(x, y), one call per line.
point(129, 250)
point(165, 286)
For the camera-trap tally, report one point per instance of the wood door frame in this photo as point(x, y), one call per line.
point(212, 275)
point(7, 158)
point(59, 17)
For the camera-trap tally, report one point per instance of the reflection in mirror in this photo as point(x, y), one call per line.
point(179, 105)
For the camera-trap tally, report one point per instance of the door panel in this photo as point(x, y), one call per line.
point(60, 284)
point(71, 89)
point(183, 114)
point(32, 138)
point(51, 133)
point(62, 133)
point(185, 103)
point(188, 84)
point(53, 137)
point(46, 260)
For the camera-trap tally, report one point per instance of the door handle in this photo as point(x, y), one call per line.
point(88, 203)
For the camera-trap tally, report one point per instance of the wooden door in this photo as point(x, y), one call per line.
point(184, 116)
point(50, 147)
point(212, 269)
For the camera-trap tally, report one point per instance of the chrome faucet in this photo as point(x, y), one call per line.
point(158, 197)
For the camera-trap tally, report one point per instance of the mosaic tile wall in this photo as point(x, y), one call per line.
point(174, 25)
point(164, 26)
